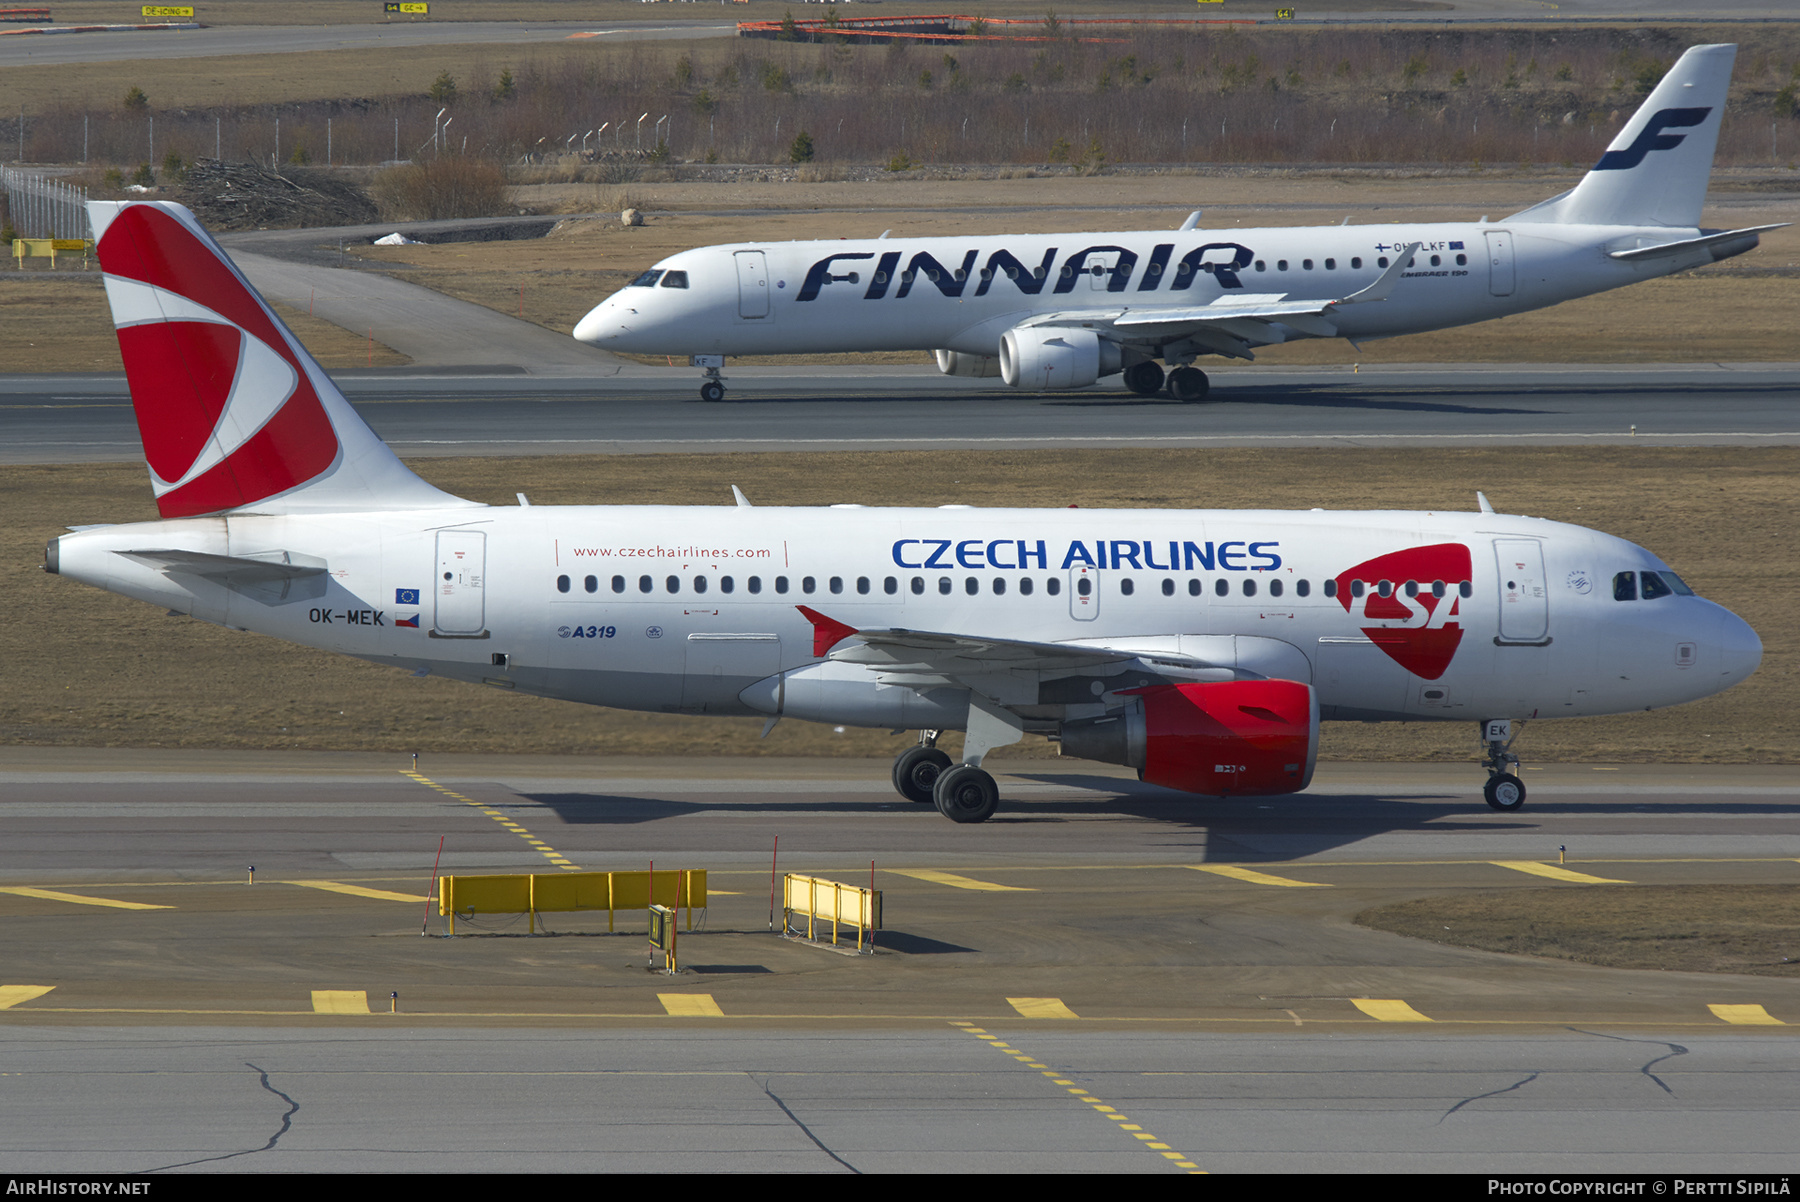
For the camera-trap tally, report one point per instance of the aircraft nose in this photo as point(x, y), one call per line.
point(598, 326)
point(1740, 650)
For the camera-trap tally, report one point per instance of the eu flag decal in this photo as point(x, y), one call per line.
point(1456, 246)
point(406, 596)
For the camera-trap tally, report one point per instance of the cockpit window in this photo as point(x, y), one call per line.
point(1625, 586)
point(1654, 586)
point(648, 279)
point(674, 279)
point(1676, 583)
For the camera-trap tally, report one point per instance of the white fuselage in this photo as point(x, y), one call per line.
point(879, 294)
point(697, 609)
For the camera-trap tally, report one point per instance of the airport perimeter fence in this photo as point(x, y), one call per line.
point(40, 207)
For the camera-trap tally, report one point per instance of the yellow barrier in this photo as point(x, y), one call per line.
point(534, 894)
point(47, 248)
point(828, 901)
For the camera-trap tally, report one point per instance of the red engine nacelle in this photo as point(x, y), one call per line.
point(1238, 737)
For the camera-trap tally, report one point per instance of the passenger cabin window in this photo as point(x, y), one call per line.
point(591, 584)
point(645, 584)
point(781, 584)
point(1302, 588)
point(1126, 587)
point(1025, 586)
point(647, 280)
point(1275, 588)
point(808, 584)
point(1053, 586)
point(754, 584)
point(726, 584)
point(674, 279)
point(699, 584)
point(1355, 263)
point(618, 583)
point(562, 584)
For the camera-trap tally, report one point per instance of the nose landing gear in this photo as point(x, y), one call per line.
point(1504, 790)
point(712, 388)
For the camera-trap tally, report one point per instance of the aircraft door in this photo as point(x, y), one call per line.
point(1500, 262)
point(753, 284)
point(1524, 599)
point(461, 583)
point(1084, 593)
point(1100, 267)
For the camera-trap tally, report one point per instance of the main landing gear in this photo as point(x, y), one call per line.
point(961, 792)
point(1504, 790)
point(1185, 384)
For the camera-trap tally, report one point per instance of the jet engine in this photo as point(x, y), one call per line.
point(1050, 358)
point(1246, 738)
point(961, 363)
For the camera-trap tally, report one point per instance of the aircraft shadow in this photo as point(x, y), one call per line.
point(1234, 830)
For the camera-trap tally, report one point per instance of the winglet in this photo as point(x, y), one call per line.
point(827, 632)
point(1385, 284)
point(743, 502)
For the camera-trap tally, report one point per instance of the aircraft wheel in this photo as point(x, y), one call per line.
point(712, 391)
point(1189, 384)
point(1146, 378)
point(916, 770)
point(966, 794)
point(1504, 793)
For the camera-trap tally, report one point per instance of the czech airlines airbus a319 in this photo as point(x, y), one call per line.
point(1055, 311)
point(1202, 647)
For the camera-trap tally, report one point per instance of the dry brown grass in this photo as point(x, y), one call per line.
point(86, 668)
point(1751, 929)
point(58, 321)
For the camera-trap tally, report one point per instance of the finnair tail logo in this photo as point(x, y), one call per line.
point(1652, 137)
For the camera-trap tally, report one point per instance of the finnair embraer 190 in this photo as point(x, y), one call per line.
point(1202, 647)
point(1054, 311)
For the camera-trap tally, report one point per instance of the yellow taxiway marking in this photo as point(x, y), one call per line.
point(1388, 1010)
point(340, 1001)
point(537, 844)
point(12, 995)
point(957, 882)
point(78, 899)
point(1746, 1016)
point(1555, 873)
point(1041, 1007)
point(1098, 1105)
point(1252, 877)
point(690, 1005)
point(360, 891)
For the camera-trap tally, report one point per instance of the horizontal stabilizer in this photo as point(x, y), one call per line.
point(272, 577)
point(1723, 239)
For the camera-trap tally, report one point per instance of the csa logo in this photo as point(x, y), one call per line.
point(1420, 633)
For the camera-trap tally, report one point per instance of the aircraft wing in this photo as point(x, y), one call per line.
point(1235, 321)
point(1007, 670)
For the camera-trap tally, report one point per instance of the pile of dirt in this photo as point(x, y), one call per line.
point(244, 196)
